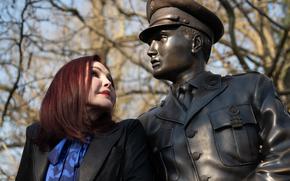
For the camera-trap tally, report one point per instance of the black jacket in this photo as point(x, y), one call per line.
point(236, 128)
point(119, 155)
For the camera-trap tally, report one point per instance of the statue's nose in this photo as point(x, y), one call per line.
point(152, 49)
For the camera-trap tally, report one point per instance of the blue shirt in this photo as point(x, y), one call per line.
point(65, 159)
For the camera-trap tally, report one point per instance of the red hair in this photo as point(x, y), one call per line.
point(63, 110)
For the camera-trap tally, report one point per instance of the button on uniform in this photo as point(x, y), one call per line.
point(191, 133)
point(236, 120)
point(234, 110)
point(212, 82)
point(204, 178)
point(162, 103)
point(196, 155)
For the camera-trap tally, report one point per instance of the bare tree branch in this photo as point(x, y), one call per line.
point(106, 38)
point(142, 92)
point(259, 32)
point(284, 93)
point(231, 18)
point(125, 12)
point(73, 11)
point(262, 13)
point(278, 54)
point(20, 66)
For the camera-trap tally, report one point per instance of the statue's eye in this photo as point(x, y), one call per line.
point(163, 37)
point(149, 42)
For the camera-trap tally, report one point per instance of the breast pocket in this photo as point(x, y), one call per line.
point(235, 135)
point(164, 152)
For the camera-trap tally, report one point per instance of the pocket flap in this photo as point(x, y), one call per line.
point(231, 116)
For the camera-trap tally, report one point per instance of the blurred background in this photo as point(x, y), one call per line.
point(39, 36)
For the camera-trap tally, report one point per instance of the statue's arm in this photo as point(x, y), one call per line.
point(274, 131)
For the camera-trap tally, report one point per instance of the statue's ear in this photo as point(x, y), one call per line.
point(196, 44)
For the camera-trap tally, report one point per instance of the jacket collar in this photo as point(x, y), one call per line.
point(206, 80)
point(171, 110)
point(97, 153)
point(207, 85)
point(40, 163)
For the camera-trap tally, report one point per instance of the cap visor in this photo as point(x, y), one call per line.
point(147, 33)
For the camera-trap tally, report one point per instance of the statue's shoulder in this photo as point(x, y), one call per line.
point(148, 114)
point(148, 118)
point(245, 75)
point(248, 73)
point(153, 110)
point(247, 80)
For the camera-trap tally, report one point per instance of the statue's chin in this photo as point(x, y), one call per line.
point(158, 75)
point(161, 76)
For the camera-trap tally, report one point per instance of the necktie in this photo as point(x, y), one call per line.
point(185, 95)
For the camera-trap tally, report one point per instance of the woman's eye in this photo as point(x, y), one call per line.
point(95, 74)
point(111, 80)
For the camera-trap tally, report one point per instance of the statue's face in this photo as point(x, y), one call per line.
point(170, 52)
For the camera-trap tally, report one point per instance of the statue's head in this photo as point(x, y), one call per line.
point(180, 33)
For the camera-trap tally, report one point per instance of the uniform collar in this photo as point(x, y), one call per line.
point(203, 79)
point(208, 87)
point(206, 80)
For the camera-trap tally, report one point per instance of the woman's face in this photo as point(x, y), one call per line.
point(102, 92)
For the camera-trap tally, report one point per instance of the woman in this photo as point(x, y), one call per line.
point(76, 138)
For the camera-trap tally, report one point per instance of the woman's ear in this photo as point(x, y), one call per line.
point(196, 44)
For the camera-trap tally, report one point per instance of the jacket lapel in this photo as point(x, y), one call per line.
point(40, 163)
point(96, 154)
point(209, 87)
point(171, 110)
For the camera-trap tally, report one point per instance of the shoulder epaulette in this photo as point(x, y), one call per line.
point(245, 73)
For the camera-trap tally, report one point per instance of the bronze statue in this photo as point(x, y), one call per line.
point(209, 127)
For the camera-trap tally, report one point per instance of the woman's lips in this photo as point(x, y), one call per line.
point(105, 93)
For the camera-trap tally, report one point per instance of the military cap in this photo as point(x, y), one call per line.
point(182, 12)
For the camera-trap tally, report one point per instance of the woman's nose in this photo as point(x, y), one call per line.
point(107, 82)
point(152, 49)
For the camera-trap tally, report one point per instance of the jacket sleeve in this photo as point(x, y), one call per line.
point(274, 124)
point(137, 166)
point(26, 163)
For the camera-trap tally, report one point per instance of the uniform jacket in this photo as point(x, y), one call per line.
point(236, 128)
point(119, 155)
